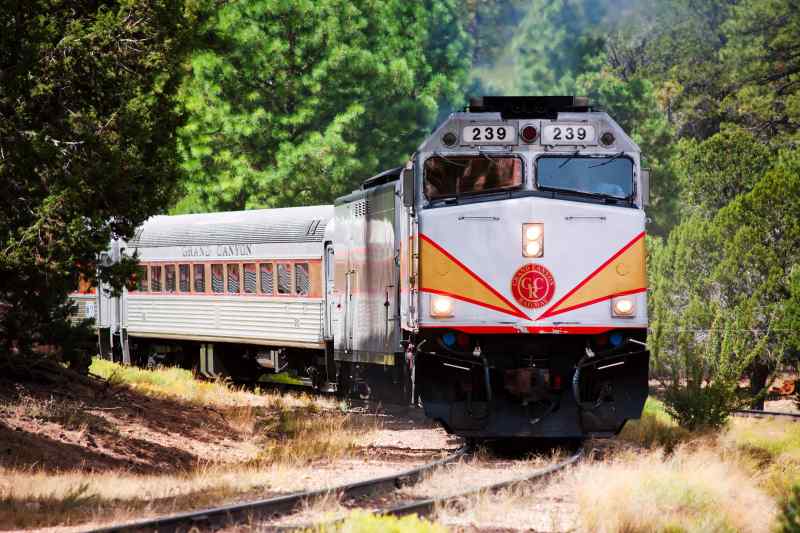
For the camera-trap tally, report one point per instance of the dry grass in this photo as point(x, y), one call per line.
point(474, 471)
point(655, 428)
point(692, 489)
point(770, 449)
point(298, 437)
point(539, 507)
point(304, 435)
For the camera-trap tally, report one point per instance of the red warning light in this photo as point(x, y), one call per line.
point(529, 134)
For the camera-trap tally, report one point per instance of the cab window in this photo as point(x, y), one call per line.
point(453, 176)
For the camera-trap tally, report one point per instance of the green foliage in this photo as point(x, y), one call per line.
point(554, 45)
point(87, 145)
point(701, 347)
point(364, 522)
point(790, 513)
point(293, 103)
point(716, 170)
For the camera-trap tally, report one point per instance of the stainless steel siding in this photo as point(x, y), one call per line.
point(236, 318)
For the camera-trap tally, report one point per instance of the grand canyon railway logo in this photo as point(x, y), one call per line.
point(533, 286)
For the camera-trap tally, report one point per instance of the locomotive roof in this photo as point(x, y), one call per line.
point(256, 226)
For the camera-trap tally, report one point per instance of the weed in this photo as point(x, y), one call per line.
point(692, 489)
point(655, 428)
point(365, 522)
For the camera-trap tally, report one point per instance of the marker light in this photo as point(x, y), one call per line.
point(623, 306)
point(607, 138)
point(529, 134)
point(533, 239)
point(441, 306)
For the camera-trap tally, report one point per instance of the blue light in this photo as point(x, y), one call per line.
point(449, 339)
point(615, 339)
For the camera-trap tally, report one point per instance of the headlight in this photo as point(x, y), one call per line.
point(533, 240)
point(623, 307)
point(441, 306)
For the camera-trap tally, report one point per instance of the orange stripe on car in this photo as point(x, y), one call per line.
point(624, 273)
point(441, 273)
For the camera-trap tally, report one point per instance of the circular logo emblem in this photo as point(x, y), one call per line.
point(533, 286)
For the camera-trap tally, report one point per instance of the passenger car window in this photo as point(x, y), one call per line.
point(155, 278)
point(141, 279)
point(266, 279)
point(169, 278)
point(183, 278)
point(217, 281)
point(233, 278)
point(250, 278)
point(284, 279)
point(199, 278)
point(301, 280)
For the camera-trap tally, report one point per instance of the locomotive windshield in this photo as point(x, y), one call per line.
point(456, 175)
point(610, 176)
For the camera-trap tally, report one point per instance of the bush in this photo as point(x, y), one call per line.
point(706, 366)
point(790, 515)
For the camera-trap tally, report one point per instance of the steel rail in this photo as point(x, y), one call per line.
point(427, 506)
point(279, 505)
point(757, 413)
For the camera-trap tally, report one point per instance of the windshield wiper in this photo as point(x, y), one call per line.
point(607, 161)
point(570, 158)
point(439, 154)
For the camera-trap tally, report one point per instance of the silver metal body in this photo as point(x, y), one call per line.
point(366, 326)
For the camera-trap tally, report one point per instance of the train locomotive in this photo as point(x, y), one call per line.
point(497, 279)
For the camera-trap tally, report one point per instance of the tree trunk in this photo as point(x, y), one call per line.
point(759, 374)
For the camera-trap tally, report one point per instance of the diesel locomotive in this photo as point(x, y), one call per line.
point(497, 279)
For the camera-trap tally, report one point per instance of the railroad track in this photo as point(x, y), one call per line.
point(427, 506)
point(755, 413)
point(280, 505)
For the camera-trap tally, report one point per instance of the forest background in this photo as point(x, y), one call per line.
point(111, 112)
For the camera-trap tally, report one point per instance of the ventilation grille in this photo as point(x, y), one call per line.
point(359, 208)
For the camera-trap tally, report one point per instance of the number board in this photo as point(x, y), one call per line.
point(489, 134)
point(569, 134)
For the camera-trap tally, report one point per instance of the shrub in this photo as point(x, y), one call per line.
point(790, 515)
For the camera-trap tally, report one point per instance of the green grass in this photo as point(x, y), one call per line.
point(655, 428)
point(365, 522)
point(173, 382)
point(769, 448)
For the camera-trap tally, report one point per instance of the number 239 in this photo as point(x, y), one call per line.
point(489, 133)
point(569, 134)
